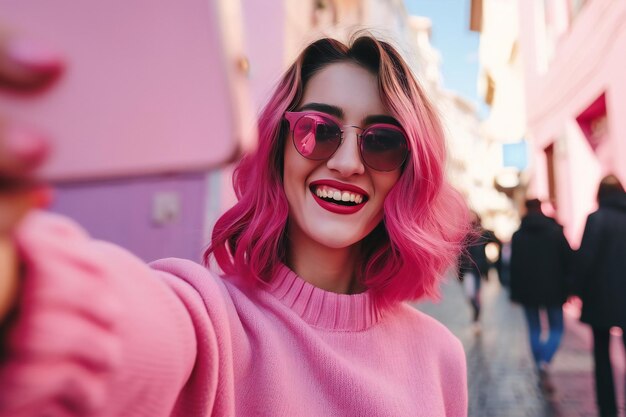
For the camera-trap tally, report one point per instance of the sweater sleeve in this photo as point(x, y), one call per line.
point(454, 369)
point(97, 332)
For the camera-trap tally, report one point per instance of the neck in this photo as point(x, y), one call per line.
point(327, 268)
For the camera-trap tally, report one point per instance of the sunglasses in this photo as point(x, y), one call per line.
point(317, 136)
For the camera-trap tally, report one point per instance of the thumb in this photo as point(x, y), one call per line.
point(27, 65)
point(8, 275)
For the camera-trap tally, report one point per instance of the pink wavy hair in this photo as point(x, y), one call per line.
point(418, 239)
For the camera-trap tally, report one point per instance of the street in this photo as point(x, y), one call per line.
point(501, 376)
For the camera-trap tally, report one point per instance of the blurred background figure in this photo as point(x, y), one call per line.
point(540, 257)
point(600, 281)
point(474, 266)
point(504, 264)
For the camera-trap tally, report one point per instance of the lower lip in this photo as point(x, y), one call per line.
point(336, 208)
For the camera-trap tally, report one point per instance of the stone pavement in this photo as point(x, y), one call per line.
point(502, 381)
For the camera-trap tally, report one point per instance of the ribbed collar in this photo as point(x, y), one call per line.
point(324, 309)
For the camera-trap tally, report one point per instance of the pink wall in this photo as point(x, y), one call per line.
point(264, 26)
point(121, 210)
point(588, 61)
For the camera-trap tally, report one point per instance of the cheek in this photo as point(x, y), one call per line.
point(296, 170)
point(291, 172)
point(287, 159)
point(385, 184)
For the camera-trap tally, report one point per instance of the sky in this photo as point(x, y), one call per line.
point(456, 43)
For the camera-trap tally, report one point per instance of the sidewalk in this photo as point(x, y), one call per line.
point(501, 376)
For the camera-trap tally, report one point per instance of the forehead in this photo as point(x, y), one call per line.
point(347, 86)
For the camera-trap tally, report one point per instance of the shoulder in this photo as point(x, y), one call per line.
point(188, 270)
point(440, 341)
point(182, 272)
point(554, 227)
point(555, 224)
point(594, 215)
point(435, 347)
point(594, 219)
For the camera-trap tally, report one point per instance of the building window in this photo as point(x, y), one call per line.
point(476, 15)
point(491, 90)
point(549, 151)
point(324, 13)
point(575, 7)
point(594, 123)
point(555, 13)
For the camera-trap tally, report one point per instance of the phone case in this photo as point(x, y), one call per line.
point(151, 86)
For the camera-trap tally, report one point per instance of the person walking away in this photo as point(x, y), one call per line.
point(600, 281)
point(540, 256)
point(493, 251)
point(504, 265)
point(474, 266)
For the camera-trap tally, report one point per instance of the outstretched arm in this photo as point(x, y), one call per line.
point(97, 332)
point(85, 327)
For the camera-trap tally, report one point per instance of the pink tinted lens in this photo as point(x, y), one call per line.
point(384, 148)
point(316, 137)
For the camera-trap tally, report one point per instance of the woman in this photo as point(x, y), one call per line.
point(342, 214)
point(599, 280)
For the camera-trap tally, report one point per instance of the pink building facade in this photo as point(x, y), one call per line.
point(574, 58)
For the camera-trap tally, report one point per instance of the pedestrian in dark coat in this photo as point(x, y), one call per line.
point(474, 265)
point(600, 281)
point(540, 259)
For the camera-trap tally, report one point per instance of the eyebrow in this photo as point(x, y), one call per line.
point(380, 118)
point(338, 112)
point(324, 108)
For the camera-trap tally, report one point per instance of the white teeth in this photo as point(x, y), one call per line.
point(329, 192)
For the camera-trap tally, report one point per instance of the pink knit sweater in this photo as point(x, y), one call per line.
point(100, 333)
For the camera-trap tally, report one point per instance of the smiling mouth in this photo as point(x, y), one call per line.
point(336, 196)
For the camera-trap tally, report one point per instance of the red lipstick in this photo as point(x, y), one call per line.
point(338, 208)
point(341, 187)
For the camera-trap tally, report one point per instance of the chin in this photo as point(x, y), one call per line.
point(335, 243)
point(337, 240)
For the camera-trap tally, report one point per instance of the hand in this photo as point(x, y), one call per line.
point(25, 68)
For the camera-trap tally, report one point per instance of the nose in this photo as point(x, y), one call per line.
point(347, 159)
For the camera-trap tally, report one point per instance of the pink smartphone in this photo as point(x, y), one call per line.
point(151, 86)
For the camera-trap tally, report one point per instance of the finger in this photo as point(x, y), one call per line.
point(21, 152)
point(14, 205)
point(51, 387)
point(26, 65)
point(8, 275)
